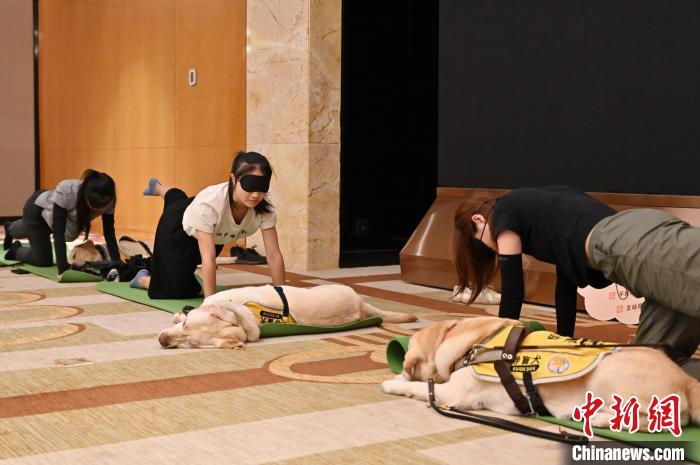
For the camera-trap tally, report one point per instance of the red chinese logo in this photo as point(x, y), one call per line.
point(626, 414)
point(665, 414)
point(586, 411)
point(662, 414)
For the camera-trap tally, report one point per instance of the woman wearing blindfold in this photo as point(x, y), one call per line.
point(650, 252)
point(194, 230)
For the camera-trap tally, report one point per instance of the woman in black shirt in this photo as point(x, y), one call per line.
point(650, 252)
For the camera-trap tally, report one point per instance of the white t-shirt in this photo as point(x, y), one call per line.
point(210, 212)
point(66, 196)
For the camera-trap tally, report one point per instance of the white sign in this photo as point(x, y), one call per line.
point(611, 302)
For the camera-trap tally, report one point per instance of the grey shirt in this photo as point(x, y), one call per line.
point(66, 196)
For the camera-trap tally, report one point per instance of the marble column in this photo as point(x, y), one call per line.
point(293, 118)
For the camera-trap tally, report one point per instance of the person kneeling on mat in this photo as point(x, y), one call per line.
point(194, 230)
point(66, 212)
point(650, 252)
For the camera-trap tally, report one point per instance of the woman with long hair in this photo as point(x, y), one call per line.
point(650, 252)
point(194, 230)
point(66, 212)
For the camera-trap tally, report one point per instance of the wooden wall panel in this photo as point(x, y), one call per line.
point(147, 80)
point(114, 94)
point(57, 98)
point(214, 49)
point(139, 212)
point(198, 167)
point(96, 33)
point(79, 75)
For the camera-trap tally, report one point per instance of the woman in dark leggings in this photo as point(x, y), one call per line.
point(64, 212)
point(194, 230)
point(650, 252)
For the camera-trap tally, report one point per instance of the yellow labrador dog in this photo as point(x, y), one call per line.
point(638, 371)
point(87, 251)
point(225, 321)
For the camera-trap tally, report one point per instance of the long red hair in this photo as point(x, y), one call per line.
point(476, 263)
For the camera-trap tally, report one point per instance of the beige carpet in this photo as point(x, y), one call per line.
point(84, 381)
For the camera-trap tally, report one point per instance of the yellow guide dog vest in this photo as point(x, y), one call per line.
point(267, 314)
point(547, 356)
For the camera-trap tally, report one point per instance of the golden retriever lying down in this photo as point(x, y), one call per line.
point(87, 251)
point(224, 321)
point(628, 372)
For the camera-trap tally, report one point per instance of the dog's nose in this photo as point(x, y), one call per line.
point(163, 339)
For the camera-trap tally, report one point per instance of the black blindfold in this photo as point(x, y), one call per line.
point(254, 183)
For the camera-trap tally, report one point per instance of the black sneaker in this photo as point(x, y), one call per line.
point(11, 253)
point(7, 243)
point(249, 256)
point(235, 251)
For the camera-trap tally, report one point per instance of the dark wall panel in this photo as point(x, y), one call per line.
point(602, 95)
point(389, 107)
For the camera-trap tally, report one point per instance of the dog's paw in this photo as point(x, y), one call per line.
point(178, 317)
point(393, 386)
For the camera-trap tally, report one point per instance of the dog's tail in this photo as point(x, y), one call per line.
point(389, 317)
point(693, 392)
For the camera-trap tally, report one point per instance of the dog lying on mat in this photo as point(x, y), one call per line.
point(459, 353)
point(87, 252)
point(230, 318)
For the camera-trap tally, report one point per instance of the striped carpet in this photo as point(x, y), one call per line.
point(84, 381)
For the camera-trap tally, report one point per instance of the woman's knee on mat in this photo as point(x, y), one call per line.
point(661, 325)
point(32, 257)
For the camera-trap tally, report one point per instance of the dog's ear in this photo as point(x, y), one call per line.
point(102, 250)
point(245, 319)
point(223, 313)
point(444, 329)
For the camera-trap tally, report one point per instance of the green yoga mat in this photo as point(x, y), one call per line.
point(266, 330)
point(69, 276)
point(277, 329)
point(690, 438)
point(141, 296)
point(51, 272)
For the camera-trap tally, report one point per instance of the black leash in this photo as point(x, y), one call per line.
point(563, 436)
